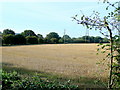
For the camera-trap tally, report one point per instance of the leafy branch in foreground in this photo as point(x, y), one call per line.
point(105, 24)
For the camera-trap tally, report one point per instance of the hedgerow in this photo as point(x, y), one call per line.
point(15, 81)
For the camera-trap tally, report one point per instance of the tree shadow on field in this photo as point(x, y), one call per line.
point(21, 45)
point(82, 82)
point(10, 67)
point(6, 64)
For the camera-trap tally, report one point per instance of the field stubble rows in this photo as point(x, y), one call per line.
point(66, 59)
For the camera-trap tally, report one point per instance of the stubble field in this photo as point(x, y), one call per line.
point(72, 60)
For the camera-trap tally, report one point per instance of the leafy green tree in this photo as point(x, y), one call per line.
point(67, 38)
point(54, 40)
point(8, 31)
point(19, 39)
point(31, 40)
point(8, 39)
point(1, 38)
point(105, 40)
point(98, 39)
point(92, 39)
point(28, 33)
point(80, 40)
point(74, 40)
point(86, 39)
point(40, 39)
point(61, 40)
point(0, 34)
point(89, 39)
point(40, 36)
point(51, 35)
point(0, 41)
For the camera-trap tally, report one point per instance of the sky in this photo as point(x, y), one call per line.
point(46, 16)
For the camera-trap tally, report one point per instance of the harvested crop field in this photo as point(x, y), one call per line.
point(64, 59)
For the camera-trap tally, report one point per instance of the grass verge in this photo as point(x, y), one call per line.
point(82, 82)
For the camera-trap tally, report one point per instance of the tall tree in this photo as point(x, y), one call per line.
point(8, 39)
point(40, 39)
point(19, 39)
point(98, 39)
point(40, 36)
point(28, 33)
point(51, 35)
point(67, 39)
point(31, 40)
point(8, 31)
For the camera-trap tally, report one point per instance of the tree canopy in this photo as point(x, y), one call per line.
point(52, 37)
point(8, 31)
point(28, 33)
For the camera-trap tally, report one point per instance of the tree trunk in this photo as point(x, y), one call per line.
point(111, 57)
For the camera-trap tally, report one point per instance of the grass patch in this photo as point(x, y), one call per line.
point(82, 82)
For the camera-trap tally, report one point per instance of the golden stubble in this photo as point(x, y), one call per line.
point(65, 59)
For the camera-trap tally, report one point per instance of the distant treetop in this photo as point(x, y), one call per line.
point(8, 31)
point(28, 33)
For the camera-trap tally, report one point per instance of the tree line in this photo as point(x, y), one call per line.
point(9, 37)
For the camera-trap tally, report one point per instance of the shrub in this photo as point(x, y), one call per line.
point(14, 81)
point(8, 31)
point(8, 39)
point(54, 40)
point(31, 40)
point(0, 41)
point(9, 80)
point(28, 33)
point(40, 40)
point(19, 39)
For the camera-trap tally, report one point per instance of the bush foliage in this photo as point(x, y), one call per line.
point(31, 40)
point(15, 81)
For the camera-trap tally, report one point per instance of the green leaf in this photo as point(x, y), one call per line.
point(103, 46)
point(98, 49)
point(103, 51)
point(82, 17)
point(97, 63)
point(107, 7)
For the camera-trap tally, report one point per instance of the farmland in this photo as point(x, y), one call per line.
point(65, 60)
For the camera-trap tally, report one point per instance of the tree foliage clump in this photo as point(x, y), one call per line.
point(52, 38)
point(8, 31)
point(31, 40)
point(67, 39)
point(8, 39)
point(40, 39)
point(19, 39)
point(28, 33)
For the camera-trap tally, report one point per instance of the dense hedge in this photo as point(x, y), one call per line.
point(14, 81)
point(8, 39)
point(31, 40)
point(19, 39)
